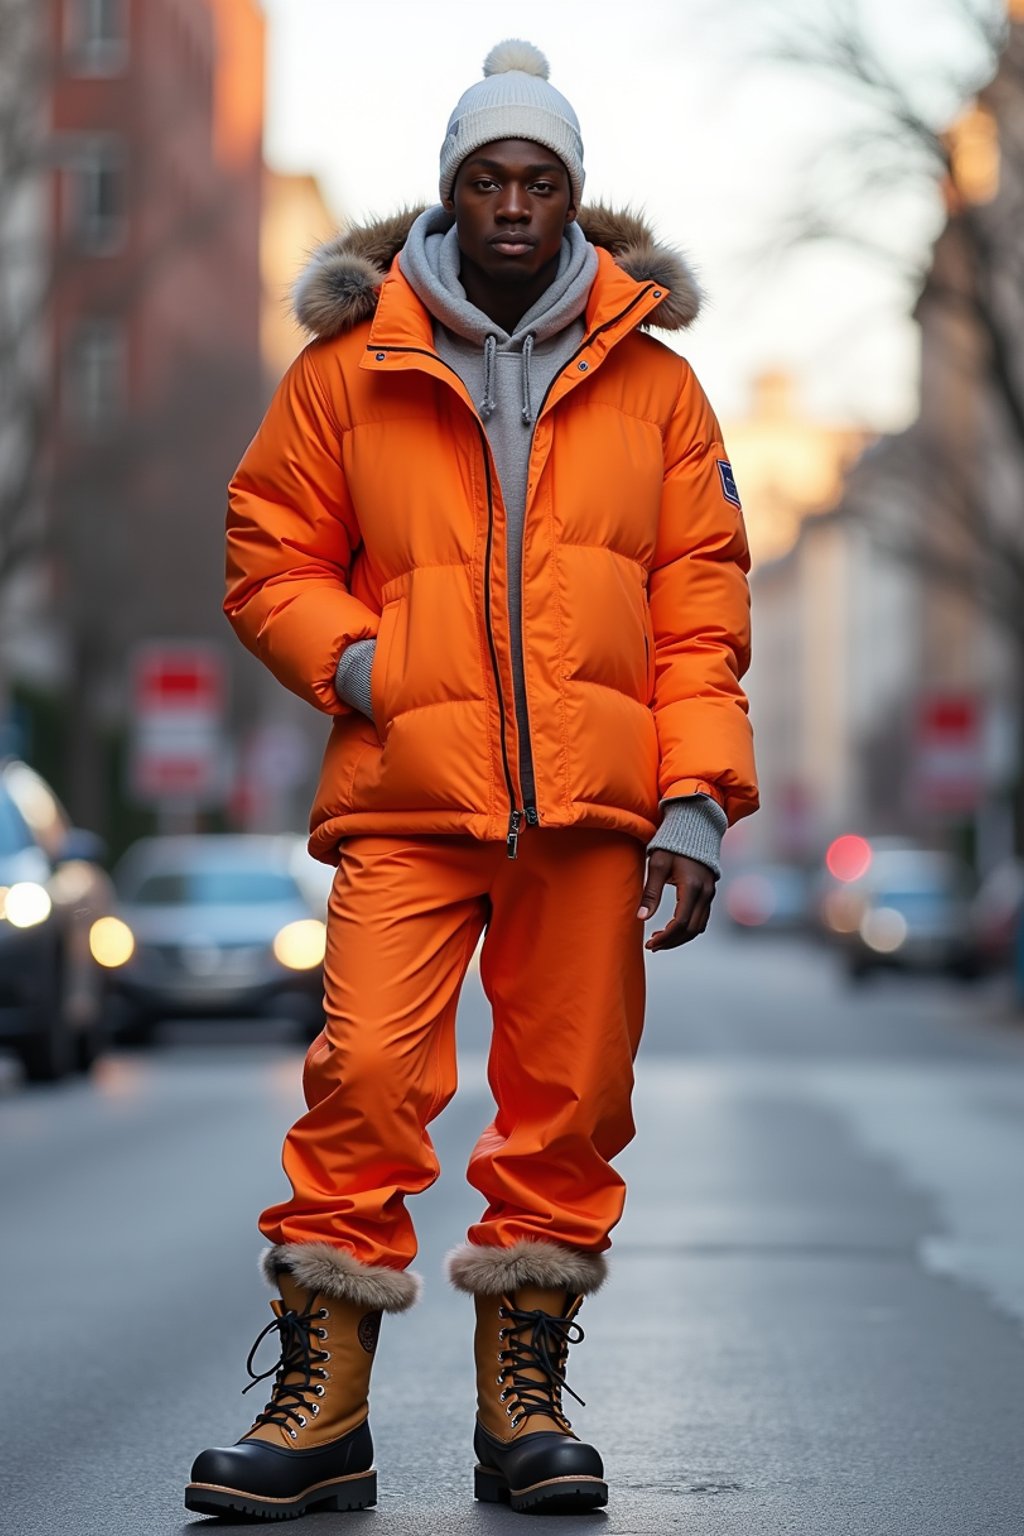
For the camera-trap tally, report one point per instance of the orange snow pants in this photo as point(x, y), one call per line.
point(562, 967)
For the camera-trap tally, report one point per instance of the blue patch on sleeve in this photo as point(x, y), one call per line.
point(728, 480)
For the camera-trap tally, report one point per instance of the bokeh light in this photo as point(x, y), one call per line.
point(111, 942)
point(849, 857)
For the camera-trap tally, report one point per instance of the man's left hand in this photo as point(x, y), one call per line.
point(695, 891)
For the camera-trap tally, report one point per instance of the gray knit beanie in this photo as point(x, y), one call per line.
point(513, 101)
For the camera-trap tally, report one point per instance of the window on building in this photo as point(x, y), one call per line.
point(95, 376)
point(96, 36)
point(97, 201)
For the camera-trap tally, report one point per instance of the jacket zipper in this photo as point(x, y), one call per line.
point(515, 819)
point(515, 816)
point(529, 813)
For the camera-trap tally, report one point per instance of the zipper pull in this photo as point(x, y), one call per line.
point(532, 817)
point(512, 840)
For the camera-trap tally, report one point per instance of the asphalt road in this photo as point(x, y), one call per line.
point(815, 1323)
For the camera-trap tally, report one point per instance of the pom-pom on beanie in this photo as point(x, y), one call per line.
point(513, 101)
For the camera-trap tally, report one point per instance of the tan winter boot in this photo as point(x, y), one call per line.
point(527, 1298)
point(310, 1447)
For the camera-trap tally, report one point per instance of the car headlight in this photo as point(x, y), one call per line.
point(301, 945)
point(25, 905)
point(883, 929)
point(111, 942)
point(843, 910)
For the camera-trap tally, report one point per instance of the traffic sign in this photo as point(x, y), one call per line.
point(178, 695)
point(948, 758)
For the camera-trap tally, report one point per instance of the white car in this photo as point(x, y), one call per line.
point(215, 924)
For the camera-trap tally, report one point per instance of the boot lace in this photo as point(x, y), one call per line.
point(536, 1341)
point(292, 1401)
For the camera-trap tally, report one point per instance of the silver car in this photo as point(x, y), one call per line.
point(912, 912)
point(215, 925)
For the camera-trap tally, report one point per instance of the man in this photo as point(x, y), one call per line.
point(489, 526)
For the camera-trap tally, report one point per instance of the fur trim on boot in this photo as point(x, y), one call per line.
point(481, 1271)
point(334, 1272)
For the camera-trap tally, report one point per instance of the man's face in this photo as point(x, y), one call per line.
point(512, 200)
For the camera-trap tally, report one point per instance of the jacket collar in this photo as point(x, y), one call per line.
point(354, 278)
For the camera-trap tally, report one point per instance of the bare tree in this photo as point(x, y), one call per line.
point(947, 496)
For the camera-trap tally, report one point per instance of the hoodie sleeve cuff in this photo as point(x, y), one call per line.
point(693, 826)
point(352, 677)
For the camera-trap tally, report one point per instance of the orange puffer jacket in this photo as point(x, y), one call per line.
point(368, 505)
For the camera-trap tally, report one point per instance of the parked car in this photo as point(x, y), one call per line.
point(997, 913)
point(767, 898)
point(52, 892)
point(214, 925)
point(315, 879)
point(910, 910)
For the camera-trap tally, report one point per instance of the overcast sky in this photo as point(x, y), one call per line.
point(675, 119)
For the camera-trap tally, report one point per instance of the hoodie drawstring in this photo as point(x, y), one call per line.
point(527, 358)
point(489, 401)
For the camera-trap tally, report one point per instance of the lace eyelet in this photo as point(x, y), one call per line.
point(302, 1421)
point(293, 1434)
point(323, 1312)
point(314, 1409)
point(502, 1312)
point(321, 1333)
point(319, 1389)
point(500, 1355)
point(509, 1410)
point(502, 1333)
point(502, 1395)
point(325, 1354)
point(500, 1379)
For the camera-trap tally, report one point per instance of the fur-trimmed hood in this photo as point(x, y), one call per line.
point(340, 285)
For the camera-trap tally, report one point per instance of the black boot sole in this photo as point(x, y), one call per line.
point(355, 1492)
point(555, 1496)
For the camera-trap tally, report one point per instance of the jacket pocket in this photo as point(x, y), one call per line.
point(379, 692)
point(648, 646)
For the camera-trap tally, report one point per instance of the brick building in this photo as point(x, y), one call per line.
point(155, 128)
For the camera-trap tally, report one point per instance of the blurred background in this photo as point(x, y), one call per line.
point(847, 177)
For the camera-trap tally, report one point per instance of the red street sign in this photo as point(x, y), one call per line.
point(179, 678)
point(178, 693)
point(949, 753)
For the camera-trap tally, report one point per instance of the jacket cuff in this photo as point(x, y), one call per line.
point(352, 677)
point(694, 827)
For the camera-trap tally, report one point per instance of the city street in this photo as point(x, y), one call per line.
point(814, 1325)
